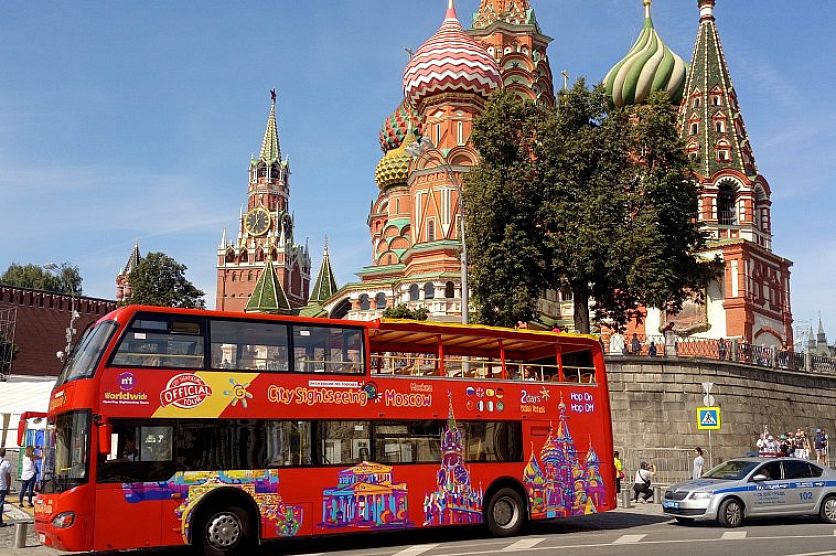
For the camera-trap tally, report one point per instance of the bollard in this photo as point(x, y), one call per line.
point(658, 493)
point(626, 498)
point(21, 529)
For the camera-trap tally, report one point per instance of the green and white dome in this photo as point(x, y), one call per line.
point(649, 66)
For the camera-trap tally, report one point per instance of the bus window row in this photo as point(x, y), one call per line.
point(579, 370)
point(169, 341)
point(153, 451)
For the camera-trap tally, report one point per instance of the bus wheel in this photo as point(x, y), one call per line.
point(224, 531)
point(506, 514)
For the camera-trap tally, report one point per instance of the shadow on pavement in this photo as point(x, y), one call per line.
point(395, 539)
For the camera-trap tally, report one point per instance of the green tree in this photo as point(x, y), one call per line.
point(64, 278)
point(505, 245)
point(160, 280)
point(402, 311)
point(599, 200)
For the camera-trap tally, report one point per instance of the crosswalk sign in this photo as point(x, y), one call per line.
point(708, 418)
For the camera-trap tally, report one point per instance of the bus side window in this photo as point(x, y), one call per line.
point(249, 346)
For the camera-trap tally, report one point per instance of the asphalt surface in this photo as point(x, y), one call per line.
point(642, 530)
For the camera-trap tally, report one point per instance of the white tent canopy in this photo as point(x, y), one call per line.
point(18, 395)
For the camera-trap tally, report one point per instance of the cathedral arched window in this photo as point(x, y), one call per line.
point(364, 302)
point(727, 204)
point(233, 276)
point(380, 301)
point(449, 290)
point(414, 292)
point(720, 126)
point(460, 133)
point(695, 128)
point(723, 151)
point(430, 229)
point(250, 275)
point(716, 100)
point(429, 290)
point(696, 103)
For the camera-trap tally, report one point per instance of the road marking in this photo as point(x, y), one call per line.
point(524, 544)
point(734, 535)
point(628, 539)
point(415, 550)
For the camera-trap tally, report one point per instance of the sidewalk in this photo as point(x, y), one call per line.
point(12, 513)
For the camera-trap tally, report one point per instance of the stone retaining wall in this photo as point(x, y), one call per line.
point(654, 403)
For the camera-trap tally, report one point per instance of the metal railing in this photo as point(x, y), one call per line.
point(673, 465)
point(734, 350)
point(411, 364)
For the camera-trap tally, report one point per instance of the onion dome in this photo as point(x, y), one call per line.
point(649, 66)
point(532, 474)
point(393, 168)
point(450, 61)
point(397, 125)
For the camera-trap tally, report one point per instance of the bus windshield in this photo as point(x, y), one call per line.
point(66, 453)
point(82, 361)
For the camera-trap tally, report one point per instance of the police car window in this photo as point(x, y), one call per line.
point(815, 470)
point(772, 470)
point(797, 470)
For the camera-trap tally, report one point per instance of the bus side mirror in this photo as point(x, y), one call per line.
point(105, 432)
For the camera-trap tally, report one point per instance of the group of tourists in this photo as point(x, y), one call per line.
point(798, 445)
point(28, 477)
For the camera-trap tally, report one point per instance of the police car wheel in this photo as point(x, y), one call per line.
point(730, 513)
point(828, 509)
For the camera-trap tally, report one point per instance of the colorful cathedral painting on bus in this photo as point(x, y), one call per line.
point(365, 496)
point(455, 500)
point(559, 484)
point(278, 519)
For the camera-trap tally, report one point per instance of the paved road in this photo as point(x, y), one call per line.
point(640, 531)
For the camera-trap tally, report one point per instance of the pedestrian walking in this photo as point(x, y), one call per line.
point(5, 482)
point(28, 475)
point(642, 482)
point(617, 344)
point(820, 445)
point(651, 349)
point(619, 471)
point(636, 344)
point(699, 464)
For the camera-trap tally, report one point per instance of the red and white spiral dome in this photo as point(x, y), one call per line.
point(450, 61)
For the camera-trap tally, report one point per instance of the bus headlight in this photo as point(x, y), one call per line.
point(700, 495)
point(64, 520)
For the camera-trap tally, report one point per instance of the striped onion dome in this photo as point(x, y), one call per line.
point(649, 66)
point(393, 168)
point(397, 125)
point(450, 61)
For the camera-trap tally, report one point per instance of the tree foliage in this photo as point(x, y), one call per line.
point(584, 196)
point(402, 311)
point(502, 210)
point(160, 280)
point(64, 278)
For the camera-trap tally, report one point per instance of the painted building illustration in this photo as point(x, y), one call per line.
point(559, 484)
point(278, 519)
point(455, 500)
point(365, 497)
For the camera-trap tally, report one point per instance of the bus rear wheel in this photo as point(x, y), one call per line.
point(505, 514)
point(224, 531)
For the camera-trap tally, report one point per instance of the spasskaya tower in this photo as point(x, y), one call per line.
point(263, 269)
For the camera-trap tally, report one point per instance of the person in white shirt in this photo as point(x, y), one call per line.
point(641, 484)
point(5, 481)
point(699, 463)
point(28, 475)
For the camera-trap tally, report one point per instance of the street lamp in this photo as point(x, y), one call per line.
point(58, 270)
point(415, 150)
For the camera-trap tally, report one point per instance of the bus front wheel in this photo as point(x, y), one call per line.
point(224, 531)
point(505, 515)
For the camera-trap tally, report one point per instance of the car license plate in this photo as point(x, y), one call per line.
point(670, 504)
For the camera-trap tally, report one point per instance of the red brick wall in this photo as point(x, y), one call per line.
point(41, 323)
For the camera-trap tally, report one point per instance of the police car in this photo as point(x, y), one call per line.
point(755, 487)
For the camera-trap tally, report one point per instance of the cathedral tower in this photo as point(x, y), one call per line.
point(509, 31)
point(735, 203)
point(264, 242)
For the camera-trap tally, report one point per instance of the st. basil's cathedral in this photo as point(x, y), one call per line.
point(414, 223)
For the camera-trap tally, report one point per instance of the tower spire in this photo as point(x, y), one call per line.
point(325, 284)
point(451, 10)
point(270, 151)
point(647, 4)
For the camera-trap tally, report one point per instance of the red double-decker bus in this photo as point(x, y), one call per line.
point(220, 430)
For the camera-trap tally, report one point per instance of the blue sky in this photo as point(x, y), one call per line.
point(124, 121)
